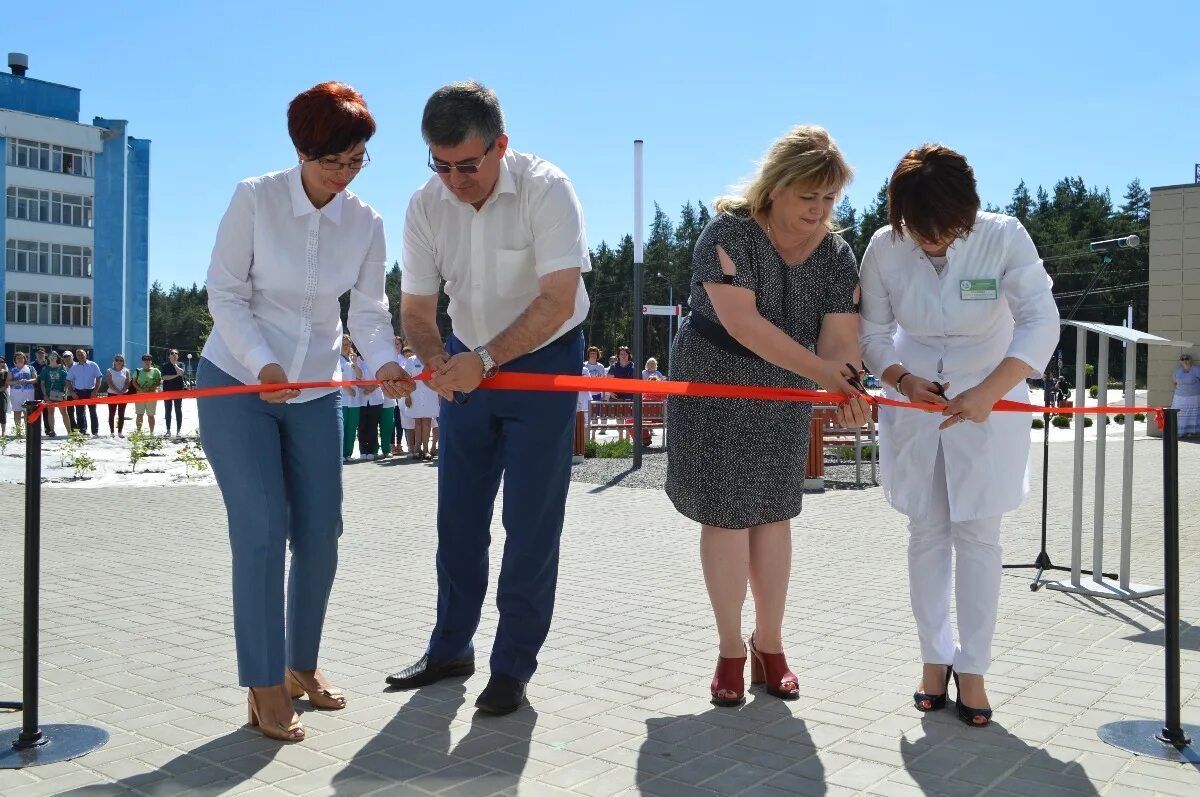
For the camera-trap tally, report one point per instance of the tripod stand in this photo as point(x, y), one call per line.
point(1042, 561)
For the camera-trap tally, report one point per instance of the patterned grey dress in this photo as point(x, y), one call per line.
point(737, 463)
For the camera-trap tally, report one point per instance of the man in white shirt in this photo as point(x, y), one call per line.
point(505, 232)
point(82, 377)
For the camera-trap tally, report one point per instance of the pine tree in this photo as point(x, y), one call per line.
point(1022, 203)
point(1136, 208)
point(874, 218)
point(845, 220)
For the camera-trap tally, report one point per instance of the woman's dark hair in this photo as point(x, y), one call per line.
point(328, 119)
point(591, 349)
point(459, 111)
point(932, 193)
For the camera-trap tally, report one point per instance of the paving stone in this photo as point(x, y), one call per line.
point(142, 647)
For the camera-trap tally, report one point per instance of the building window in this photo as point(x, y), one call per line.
point(49, 309)
point(54, 207)
point(38, 257)
point(50, 158)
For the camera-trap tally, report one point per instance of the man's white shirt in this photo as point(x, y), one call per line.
point(490, 260)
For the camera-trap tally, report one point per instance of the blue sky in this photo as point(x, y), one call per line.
point(1027, 90)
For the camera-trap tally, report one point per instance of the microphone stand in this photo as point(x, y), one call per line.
point(1042, 561)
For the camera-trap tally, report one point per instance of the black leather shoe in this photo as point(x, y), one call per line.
point(430, 670)
point(502, 695)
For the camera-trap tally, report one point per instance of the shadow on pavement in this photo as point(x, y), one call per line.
point(954, 759)
point(213, 768)
point(417, 748)
point(727, 751)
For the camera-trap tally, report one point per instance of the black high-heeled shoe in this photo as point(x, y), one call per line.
point(971, 715)
point(936, 702)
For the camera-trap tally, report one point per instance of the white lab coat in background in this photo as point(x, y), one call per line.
point(993, 301)
point(346, 369)
point(424, 400)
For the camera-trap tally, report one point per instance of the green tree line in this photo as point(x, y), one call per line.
point(1061, 221)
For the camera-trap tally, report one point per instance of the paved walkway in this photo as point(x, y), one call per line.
point(136, 638)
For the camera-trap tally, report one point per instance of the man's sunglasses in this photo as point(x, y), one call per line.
point(464, 167)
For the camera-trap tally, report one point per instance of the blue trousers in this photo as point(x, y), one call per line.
point(527, 437)
point(279, 467)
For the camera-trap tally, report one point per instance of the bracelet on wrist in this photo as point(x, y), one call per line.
point(899, 381)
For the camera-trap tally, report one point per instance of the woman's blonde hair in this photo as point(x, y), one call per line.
point(805, 155)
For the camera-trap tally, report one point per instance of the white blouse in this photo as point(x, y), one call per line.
point(120, 379)
point(278, 268)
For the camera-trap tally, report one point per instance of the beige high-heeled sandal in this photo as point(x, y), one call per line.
point(326, 699)
point(284, 733)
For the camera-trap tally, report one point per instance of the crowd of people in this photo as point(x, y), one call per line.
point(65, 376)
point(384, 427)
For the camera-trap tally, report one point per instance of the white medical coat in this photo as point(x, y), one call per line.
point(993, 301)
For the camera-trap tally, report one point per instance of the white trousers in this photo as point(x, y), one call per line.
point(975, 573)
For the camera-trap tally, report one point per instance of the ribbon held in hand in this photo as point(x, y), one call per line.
point(511, 380)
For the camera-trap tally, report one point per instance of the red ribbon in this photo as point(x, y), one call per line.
point(506, 380)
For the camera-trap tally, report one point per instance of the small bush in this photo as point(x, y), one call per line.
point(1038, 423)
point(616, 449)
point(192, 459)
point(83, 465)
point(590, 449)
point(1093, 391)
point(1120, 418)
point(847, 452)
point(1061, 422)
point(1087, 422)
point(1140, 417)
point(140, 445)
point(72, 448)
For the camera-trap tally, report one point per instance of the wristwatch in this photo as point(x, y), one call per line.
point(490, 368)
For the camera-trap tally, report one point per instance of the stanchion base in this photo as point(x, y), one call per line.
point(1142, 737)
point(62, 743)
point(1106, 589)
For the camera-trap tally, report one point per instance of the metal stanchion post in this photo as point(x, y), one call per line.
point(1170, 740)
point(33, 745)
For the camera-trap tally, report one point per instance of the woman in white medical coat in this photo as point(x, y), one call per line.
point(956, 311)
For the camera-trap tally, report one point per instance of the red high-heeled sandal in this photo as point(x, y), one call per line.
point(729, 679)
point(772, 670)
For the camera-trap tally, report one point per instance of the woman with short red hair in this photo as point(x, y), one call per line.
point(289, 245)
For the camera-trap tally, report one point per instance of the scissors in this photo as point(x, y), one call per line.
point(854, 380)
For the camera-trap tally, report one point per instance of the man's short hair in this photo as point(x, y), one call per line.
point(459, 111)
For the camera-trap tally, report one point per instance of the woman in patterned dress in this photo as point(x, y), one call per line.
point(772, 303)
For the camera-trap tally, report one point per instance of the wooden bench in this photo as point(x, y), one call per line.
point(604, 416)
point(825, 433)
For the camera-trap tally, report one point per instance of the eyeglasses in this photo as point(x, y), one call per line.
point(466, 167)
point(332, 164)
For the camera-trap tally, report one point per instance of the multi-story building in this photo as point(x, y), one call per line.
point(1174, 284)
point(75, 224)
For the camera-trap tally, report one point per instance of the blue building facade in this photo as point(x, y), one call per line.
point(75, 225)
